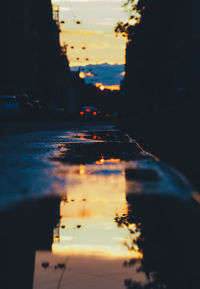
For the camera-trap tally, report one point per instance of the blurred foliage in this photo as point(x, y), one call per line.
point(136, 10)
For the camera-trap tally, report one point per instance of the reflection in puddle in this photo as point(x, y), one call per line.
point(169, 240)
point(122, 222)
point(88, 243)
point(117, 220)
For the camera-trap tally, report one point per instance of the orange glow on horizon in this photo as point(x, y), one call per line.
point(101, 161)
point(97, 250)
point(99, 85)
point(83, 64)
point(112, 87)
point(113, 161)
point(109, 87)
point(82, 170)
point(89, 74)
point(84, 75)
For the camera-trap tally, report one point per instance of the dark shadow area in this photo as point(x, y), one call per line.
point(168, 239)
point(25, 228)
point(141, 175)
point(173, 137)
point(161, 86)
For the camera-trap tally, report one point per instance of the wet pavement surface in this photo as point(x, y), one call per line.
point(88, 208)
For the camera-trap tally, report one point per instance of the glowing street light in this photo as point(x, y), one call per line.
point(82, 75)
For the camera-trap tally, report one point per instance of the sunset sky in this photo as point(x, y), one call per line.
point(95, 32)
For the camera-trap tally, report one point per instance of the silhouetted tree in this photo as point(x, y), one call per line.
point(154, 36)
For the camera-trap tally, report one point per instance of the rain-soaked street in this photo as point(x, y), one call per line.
point(88, 208)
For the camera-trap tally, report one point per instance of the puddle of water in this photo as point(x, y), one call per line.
point(104, 231)
point(88, 240)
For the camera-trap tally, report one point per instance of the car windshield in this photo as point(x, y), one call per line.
point(89, 108)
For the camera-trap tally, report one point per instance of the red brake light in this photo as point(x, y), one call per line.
point(99, 112)
point(107, 115)
point(88, 110)
point(94, 113)
point(81, 113)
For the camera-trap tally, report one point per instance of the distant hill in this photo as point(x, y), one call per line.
point(105, 73)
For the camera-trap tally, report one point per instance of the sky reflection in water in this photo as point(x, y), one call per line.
point(123, 222)
point(87, 239)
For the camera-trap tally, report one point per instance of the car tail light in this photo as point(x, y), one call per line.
point(81, 113)
point(88, 110)
point(94, 113)
point(107, 115)
point(99, 112)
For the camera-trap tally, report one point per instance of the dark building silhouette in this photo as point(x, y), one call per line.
point(194, 56)
point(161, 87)
point(162, 58)
point(31, 58)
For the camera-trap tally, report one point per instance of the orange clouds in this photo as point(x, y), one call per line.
point(88, 33)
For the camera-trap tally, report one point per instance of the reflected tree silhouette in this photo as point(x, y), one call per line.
point(169, 241)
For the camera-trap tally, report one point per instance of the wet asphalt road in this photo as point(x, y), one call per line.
point(88, 208)
point(27, 168)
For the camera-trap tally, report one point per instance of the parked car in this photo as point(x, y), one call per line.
point(93, 113)
point(89, 112)
point(9, 107)
point(29, 108)
point(19, 106)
